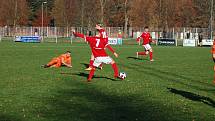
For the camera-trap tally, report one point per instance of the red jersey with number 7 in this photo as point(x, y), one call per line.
point(97, 45)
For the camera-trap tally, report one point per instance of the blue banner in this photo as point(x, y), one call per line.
point(27, 39)
point(115, 41)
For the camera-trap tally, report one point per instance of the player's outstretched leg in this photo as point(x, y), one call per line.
point(101, 66)
point(45, 66)
point(151, 55)
point(51, 63)
point(91, 63)
point(140, 53)
point(115, 69)
point(91, 74)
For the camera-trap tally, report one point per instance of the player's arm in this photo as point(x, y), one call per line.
point(86, 38)
point(112, 50)
point(76, 34)
point(66, 64)
point(138, 38)
point(151, 40)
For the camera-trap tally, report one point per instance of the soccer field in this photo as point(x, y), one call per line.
point(177, 86)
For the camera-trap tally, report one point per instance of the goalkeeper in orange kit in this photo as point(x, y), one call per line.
point(62, 60)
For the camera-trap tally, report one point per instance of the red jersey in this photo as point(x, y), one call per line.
point(146, 38)
point(97, 45)
point(103, 34)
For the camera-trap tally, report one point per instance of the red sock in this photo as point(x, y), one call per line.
point(115, 68)
point(141, 53)
point(91, 63)
point(91, 74)
point(100, 65)
point(150, 54)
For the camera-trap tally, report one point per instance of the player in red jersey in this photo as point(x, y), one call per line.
point(147, 39)
point(213, 56)
point(102, 34)
point(98, 46)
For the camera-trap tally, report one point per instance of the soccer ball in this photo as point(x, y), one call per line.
point(122, 75)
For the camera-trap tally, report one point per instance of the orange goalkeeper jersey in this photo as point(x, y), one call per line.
point(65, 58)
point(58, 61)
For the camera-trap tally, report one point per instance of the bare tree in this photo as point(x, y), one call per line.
point(102, 5)
point(126, 18)
point(65, 12)
point(13, 12)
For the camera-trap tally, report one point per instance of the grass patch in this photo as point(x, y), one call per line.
point(176, 87)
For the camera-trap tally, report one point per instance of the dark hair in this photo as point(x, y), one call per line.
point(146, 27)
point(68, 51)
point(100, 24)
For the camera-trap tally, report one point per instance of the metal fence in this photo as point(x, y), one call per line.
point(133, 32)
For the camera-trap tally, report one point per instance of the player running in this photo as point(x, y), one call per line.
point(213, 56)
point(98, 46)
point(147, 39)
point(62, 60)
point(102, 34)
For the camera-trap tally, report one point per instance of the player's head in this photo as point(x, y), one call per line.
point(72, 30)
point(68, 52)
point(99, 26)
point(146, 28)
point(97, 33)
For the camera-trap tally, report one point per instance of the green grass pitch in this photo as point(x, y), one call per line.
point(177, 86)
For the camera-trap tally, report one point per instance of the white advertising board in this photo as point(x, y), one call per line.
point(189, 42)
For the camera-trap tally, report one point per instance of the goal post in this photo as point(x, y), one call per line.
point(58, 35)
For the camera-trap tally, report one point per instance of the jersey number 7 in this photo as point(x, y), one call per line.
point(97, 42)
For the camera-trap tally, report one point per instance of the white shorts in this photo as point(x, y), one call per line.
point(147, 47)
point(99, 60)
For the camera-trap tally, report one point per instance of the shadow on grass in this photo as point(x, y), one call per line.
point(86, 75)
point(193, 97)
point(8, 118)
point(85, 65)
point(135, 58)
point(76, 101)
point(169, 76)
point(84, 102)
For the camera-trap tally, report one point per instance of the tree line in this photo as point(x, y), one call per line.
point(113, 13)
